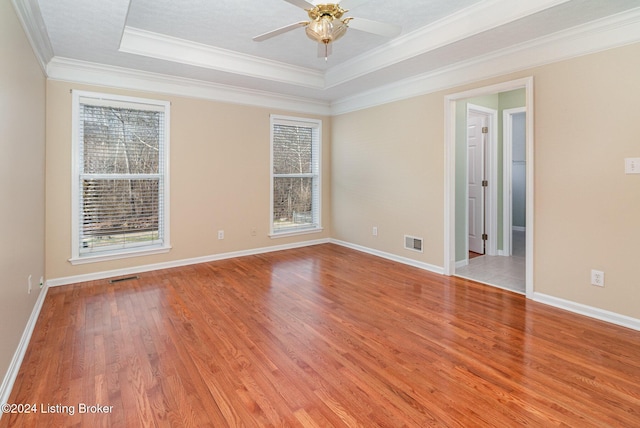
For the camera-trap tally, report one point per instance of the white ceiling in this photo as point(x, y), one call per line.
point(209, 42)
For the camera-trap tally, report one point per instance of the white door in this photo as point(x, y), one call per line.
point(476, 174)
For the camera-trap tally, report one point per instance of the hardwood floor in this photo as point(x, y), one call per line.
point(320, 336)
point(473, 255)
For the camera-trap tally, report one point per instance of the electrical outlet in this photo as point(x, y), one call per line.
point(597, 278)
point(221, 234)
point(29, 285)
point(41, 281)
point(375, 231)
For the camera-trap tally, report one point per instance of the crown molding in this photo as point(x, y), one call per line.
point(607, 33)
point(75, 71)
point(160, 46)
point(475, 19)
point(28, 12)
point(480, 17)
point(611, 32)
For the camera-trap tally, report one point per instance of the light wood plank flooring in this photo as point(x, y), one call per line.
point(321, 336)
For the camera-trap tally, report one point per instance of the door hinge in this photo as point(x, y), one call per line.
point(485, 129)
point(485, 183)
point(484, 237)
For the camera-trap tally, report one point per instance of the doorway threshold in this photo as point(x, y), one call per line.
point(503, 272)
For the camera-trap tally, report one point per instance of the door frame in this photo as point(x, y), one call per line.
point(450, 170)
point(507, 176)
point(491, 174)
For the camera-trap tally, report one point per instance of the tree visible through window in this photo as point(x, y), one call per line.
point(295, 174)
point(121, 177)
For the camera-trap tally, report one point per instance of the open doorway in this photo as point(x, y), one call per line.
point(514, 183)
point(503, 235)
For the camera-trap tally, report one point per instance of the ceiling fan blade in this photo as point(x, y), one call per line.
point(279, 31)
point(375, 27)
point(351, 4)
point(303, 4)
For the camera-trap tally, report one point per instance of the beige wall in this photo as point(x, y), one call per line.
point(588, 210)
point(219, 173)
point(22, 149)
point(388, 171)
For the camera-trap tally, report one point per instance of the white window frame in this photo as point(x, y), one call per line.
point(316, 175)
point(94, 98)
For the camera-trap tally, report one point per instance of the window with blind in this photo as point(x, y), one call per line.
point(120, 176)
point(295, 175)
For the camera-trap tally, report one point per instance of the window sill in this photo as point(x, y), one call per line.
point(274, 235)
point(119, 255)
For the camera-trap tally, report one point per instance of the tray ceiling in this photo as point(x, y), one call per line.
point(211, 41)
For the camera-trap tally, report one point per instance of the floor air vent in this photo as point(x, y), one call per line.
point(412, 243)
point(126, 278)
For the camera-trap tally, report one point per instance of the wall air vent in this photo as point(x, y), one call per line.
point(412, 243)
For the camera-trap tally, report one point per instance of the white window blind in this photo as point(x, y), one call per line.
point(295, 178)
point(120, 178)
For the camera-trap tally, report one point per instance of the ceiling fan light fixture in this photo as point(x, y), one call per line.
point(326, 30)
point(327, 24)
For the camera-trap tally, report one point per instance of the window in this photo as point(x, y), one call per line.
point(120, 177)
point(295, 175)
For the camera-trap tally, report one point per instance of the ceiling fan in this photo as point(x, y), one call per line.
point(326, 24)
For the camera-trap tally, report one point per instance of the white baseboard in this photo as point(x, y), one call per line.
point(389, 256)
point(18, 356)
point(55, 282)
point(590, 311)
point(462, 263)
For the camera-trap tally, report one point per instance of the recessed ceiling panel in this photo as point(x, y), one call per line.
point(231, 24)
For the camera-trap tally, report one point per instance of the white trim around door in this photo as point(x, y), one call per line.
point(507, 176)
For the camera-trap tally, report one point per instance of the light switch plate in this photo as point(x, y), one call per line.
point(632, 166)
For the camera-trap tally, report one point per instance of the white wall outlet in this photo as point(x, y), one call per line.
point(632, 165)
point(221, 234)
point(374, 231)
point(29, 285)
point(597, 278)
